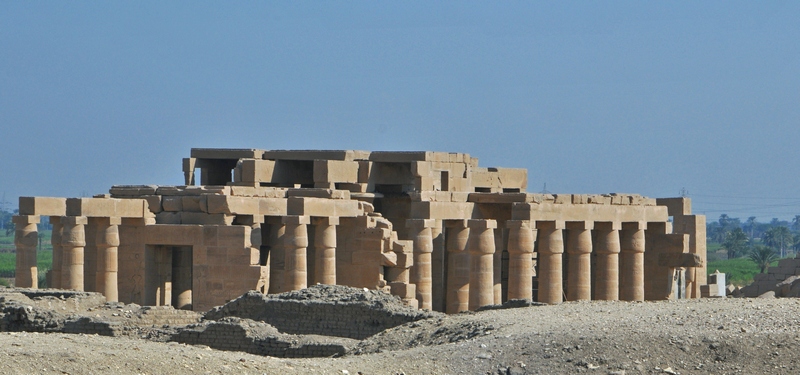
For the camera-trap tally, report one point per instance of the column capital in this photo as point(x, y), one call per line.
point(325, 220)
point(482, 224)
point(26, 219)
point(74, 220)
point(520, 224)
point(551, 224)
point(634, 225)
point(296, 219)
point(607, 225)
point(579, 225)
point(461, 223)
point(423, 223)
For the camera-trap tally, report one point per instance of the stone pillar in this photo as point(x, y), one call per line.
point(295, 252)
point(421, 272)
point(551, 250)
point(182, 277)
point(107, 242)
point(73, 241)
point(579, 251)
point(325, 246)
point(55, 241)
point(26, 239)
point(607, 272)
point(457, 238)
point(438, 266)
point(521, 239)
point(481, 256)
point(276, 255)
point(499, 245)
point(632, 261)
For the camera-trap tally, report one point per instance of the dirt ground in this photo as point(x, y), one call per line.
point(711, 336)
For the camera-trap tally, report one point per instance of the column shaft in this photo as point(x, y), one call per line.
point(276, 256)
point(295, 251)
point(551, 250)
point(520, 262)
point(325, 246)
point(107, 242)
point(579, 273)
point(481, 252)
point(421, 272)
point(632, 259)
point(73, 241)
point(458, 259)
point(182, 285)
point(607, 273)
point(438, 266)
point(55, 241)
point(497, 269)
point(26, 238)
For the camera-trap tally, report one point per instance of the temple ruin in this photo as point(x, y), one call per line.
point(433, 228)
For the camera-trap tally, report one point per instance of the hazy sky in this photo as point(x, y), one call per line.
point(590, 97)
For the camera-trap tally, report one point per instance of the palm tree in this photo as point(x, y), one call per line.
point(779, 237)
point(763, 256)
point(735, 243)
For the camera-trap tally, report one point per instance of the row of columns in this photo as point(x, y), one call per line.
point(473, 262)
point(290, 243)
point(69, 242)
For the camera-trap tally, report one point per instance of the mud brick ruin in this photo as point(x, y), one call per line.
point(433, 228)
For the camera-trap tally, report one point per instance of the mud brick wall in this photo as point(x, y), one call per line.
point(245, 335)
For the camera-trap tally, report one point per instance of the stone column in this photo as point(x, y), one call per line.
point(325, 246)
point(520, 259)
point(632, 261)
point(579, 251)
point(107, 242)
point(421, 272)
point(73, 240)
point(26, 239)
point(551, 250)
point(277, 257)
point(438, 266)
point(456, 238)
point(481, 256)
point(295, 252)
point(55, 241)
point(499, 245)
point(607, 272)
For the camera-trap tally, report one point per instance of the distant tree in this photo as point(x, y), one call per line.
point(779, 238)
point(735, 243)
point(762, 256)
point(751, 226)
point(796, 223)
point(796, 241)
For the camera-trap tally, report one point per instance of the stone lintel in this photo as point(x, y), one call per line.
point(551, 224)
point(325, 220)
point(607, 225)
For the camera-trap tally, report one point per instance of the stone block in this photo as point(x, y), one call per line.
point(273, 206)
point(172, 203)
point(319, 193)
point(202, 218)
point(153, 203)
point(132, 190)
point(335, 171)
point(45, 206)
point(194, 203)
point(167, 217)
point(563, 198)
point(253, 170)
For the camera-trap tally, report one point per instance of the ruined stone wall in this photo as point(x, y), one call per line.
point(325, 310)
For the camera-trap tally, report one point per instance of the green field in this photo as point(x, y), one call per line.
point(738, 271)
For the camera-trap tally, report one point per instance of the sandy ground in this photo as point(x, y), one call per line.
point(720, 336)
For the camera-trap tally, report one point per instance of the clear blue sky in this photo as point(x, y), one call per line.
point(590, 97)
